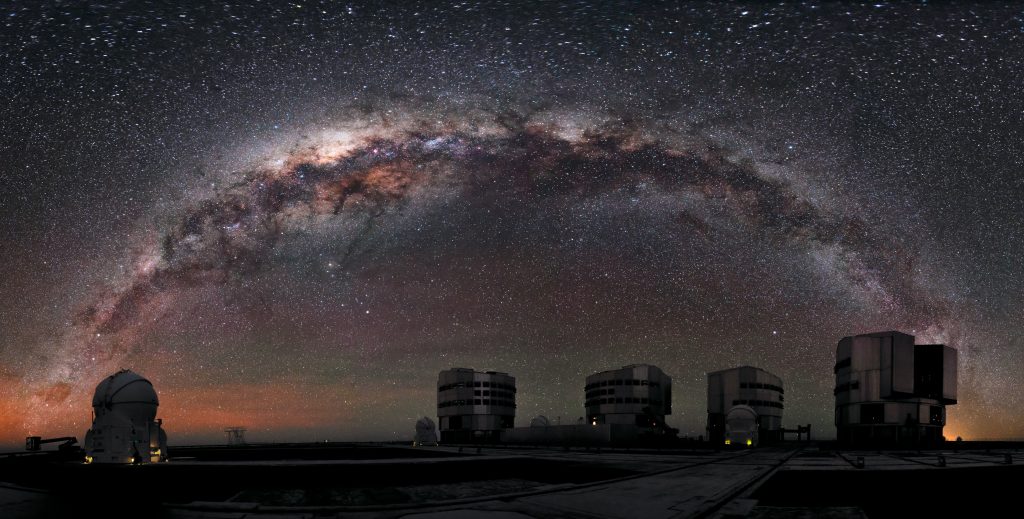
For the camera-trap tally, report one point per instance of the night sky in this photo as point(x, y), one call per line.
point(290, 217)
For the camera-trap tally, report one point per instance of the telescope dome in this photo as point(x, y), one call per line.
point(127, 393)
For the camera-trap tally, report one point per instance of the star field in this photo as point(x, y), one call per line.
point(291, 216)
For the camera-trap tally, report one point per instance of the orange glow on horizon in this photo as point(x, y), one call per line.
point(270, 406)
point(273, 408)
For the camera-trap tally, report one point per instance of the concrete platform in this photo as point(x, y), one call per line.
point(763, 483)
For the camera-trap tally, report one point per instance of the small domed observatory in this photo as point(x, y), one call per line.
point(426, 432)
point(540, 421)
point(124, 425)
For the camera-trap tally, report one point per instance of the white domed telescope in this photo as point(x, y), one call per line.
point(741, 426)
point(124, 426)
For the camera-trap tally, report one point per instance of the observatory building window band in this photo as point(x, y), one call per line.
point(638, 395)
point(474, 405)
point(761, 403)
point(478, 401)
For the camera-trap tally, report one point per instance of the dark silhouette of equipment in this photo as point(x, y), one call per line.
point(236, 435)
point(800, 431)
point(657, 424)
point(35, 443)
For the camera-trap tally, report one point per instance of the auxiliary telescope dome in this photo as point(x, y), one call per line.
point(426, 432)
point(124, 427)
point(126, 393)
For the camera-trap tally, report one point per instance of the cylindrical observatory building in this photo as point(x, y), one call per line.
point(745, 386)
point(638, 394)
point(890, 391)
point(474, 405)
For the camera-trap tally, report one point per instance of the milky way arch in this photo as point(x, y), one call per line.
point(377, 169)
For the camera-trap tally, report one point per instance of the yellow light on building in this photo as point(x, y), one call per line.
point(728, 442)
point(88, 460)
point(749, 442)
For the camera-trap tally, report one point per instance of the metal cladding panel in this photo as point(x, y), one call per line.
point(771, 423)
point(949, 374)
point(897, 364)
point(639, 372)
point(715, 394)
point(884, 345)
point(486, 422)
point(844, 348)
point(620, 418)
point(667, 399)
point(748, 374)
point(844, 397)
point(902, 413)
point(852, 394)
point(891, 412)
point(731, 388)
point(865, 353)
point(870, 386)
point(731, 379)
point(494, 377)
point(902, 364)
